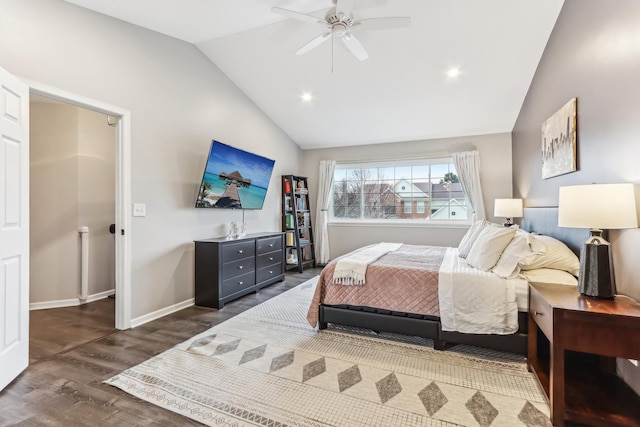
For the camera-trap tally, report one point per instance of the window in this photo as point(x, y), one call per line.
point(414, 190)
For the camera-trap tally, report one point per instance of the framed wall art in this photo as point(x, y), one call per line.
point(559, 141)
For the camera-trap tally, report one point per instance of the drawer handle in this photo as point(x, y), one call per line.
point(240, 283)
point(240, 267)
point(271, 259)
point(537, 313)
point(270, 271)
point(271, 245)
point(240, 251)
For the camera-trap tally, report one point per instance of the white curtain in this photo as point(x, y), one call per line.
point(467, 165)
point(325, 187)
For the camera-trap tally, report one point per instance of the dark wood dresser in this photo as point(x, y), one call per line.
point(573, 343)
point(228, 269)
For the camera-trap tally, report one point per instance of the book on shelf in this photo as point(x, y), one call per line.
point(289, 238)
point(287, 186)
point(288, 221)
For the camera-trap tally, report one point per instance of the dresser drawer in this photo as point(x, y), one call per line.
point(270, 258)
point(541, 312)
point(238, 284)
point(267, 273)
point(239, 250)
point(236, 268)
point(268, 244)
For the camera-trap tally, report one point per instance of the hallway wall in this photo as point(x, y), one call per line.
point(72, 184)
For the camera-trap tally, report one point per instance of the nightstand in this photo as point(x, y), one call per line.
point(573, 343)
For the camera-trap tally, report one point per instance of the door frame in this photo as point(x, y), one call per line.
point(123, 189)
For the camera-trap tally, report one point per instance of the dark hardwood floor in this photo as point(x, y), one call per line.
point(74, 349)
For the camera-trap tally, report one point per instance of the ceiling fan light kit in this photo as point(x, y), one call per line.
point(340, 23)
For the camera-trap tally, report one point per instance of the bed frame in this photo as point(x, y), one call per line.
point(537, 220)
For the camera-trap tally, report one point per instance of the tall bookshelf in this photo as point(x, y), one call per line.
point(296, 223)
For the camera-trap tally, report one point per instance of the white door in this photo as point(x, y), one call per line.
point(14, 227)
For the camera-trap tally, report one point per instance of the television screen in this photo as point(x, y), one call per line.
point(234, 179)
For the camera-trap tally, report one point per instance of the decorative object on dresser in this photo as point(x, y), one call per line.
point(559, 141)
point(508, 209)
point(228, 269)
point(573, 343)
point(296, 223)
point(597, 207)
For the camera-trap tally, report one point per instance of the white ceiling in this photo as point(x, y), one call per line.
point(400, 93)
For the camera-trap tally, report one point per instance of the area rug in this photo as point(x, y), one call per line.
point(268, 367)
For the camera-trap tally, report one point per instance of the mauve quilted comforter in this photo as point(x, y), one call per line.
point(404, 280)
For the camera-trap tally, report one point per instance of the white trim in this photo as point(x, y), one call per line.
point(44, 305)
point(123, 189)
point(385, 163)
point(402, 223)
point(162, 312)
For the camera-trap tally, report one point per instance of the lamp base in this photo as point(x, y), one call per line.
point(508, 222)
point(596, 277)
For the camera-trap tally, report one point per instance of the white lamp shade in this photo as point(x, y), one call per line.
point(508, 208)
point(601, 206)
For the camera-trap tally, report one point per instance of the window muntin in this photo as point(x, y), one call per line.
point(416, 190)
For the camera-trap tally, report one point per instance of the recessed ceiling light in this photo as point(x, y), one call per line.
point(453, 73)
point(306, 97)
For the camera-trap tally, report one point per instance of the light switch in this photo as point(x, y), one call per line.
point(139, 209)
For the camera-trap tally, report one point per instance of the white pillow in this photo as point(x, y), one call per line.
point(488, 247)
point(517, 251)
point(549, 275)
point(470, 237)
point(556, 255)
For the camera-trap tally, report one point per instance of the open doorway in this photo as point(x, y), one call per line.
point(72, 252)
point(121, 119)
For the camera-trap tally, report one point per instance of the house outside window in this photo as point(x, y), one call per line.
point(421, 190)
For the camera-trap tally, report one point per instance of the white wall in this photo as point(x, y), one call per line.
point(178, 100)
point(496, 175)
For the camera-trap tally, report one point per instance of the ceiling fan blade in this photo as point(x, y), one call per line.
point(313, 43)
point(344, 7)
point(382, 23)
point(297, 15)
point(354, 46)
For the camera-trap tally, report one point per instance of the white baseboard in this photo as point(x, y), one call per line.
point(162, 312)
point(44, 305)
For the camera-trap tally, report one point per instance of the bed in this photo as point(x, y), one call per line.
point(404, 293)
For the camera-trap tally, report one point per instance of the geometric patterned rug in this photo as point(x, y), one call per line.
point(268, 367)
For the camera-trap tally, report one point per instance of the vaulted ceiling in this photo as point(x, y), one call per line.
point(402, 92)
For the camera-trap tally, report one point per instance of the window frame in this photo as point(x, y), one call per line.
point(411, 222)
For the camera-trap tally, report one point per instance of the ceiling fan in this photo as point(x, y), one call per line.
point(340, 23)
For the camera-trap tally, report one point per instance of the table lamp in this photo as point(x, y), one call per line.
point(508, 209)
point(597, 207)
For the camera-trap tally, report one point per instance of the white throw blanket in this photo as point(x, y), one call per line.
point(474, 301)
point(352, 269)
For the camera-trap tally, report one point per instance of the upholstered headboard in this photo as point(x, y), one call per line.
point(545, 221)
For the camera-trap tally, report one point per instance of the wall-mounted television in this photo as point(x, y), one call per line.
point(234, 179)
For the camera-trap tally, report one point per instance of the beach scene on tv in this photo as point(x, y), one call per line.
point(234, 179)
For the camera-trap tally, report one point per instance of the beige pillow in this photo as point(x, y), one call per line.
point(556, 255)
point(549, 275)
point(470, 237)
point(517, 251)
point(488, 247)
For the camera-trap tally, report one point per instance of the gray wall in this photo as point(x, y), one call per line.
point(495, 156)
point(593, 54)
point(178, 100)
